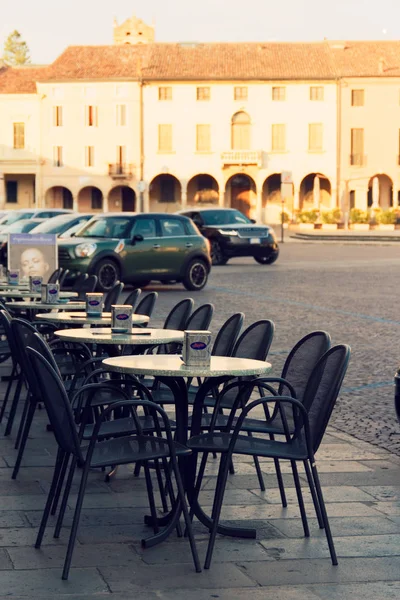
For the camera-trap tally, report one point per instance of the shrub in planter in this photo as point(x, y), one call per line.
point(332, 217)
point(387, 217)
point(308, 216)
point(286, 217)
point(359, 216)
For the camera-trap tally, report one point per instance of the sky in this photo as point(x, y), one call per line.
point(49, 26)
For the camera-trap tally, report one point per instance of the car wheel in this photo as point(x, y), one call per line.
point(108, 273)
point(217, 256)
point(266, 260)
point(196, 275)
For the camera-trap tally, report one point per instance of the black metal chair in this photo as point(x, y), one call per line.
point(87, 286)
point(55, 275)
point(15, 376)
point(113, 296)
point(310, 419)
point(146, 305)
point(133, 297)
point(79, 281)
point(62, 278)
point(201, 319)
point(102, 453)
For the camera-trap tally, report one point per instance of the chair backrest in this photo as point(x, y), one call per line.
point(255, 341)
point(63, 277)
point(87, 286)
point(78, 282)
point(133, 298)
point(54, 276)
point(57, 404)
point(146, 305)
point(179, 315)
point(201, 318)
point(112, 296)
point(323, 388)
point(302, 360)
point(26, 335)
point(5, 328)
point(227, 335)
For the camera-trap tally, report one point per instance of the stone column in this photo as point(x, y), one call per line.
point(146, 201)
point(296, 198)
point(2, 190)
point(183, 198)
point(105, 203)
point(221, 192)
point(75, 203)
point(258, 213)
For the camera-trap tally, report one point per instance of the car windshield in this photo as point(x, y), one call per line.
point(54, 225)
point(9, 219)
point(107, 227)
point(224, 217)
point(22, 226)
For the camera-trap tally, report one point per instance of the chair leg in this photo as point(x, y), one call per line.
point(280, 482)
point(170, 490)
point(300, 498)
point(313, 494)
point(24, 437)
point(328, 532)
point(64, 501)
point(258, 469)
point(22, 421)
point(197, 487)
point(149, 486)
point(14, 406)
point(217, 506)
point(42, 528)
point(161, 486)
point(60, 485)
point(8, 392)
point(188, 522)
point(75, 522)
point(138, 466)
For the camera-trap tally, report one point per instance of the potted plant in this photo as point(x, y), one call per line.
point(387, 220)
point(286, 219)
point(331, 219)
point(359, 219)
point(307, 218)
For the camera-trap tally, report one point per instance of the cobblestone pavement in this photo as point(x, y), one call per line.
point(350, 292)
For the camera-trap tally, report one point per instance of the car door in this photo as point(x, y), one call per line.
point(175, 244)
point(142, 253)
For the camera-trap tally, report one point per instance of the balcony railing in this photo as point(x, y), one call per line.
point(242, 157)
point(120, 170)
point(358, 160)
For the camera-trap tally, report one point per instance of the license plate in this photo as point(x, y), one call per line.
point(255, 241)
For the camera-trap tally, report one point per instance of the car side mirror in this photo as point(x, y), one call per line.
point(137, 238)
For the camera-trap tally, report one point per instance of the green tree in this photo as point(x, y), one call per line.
point(16, 51)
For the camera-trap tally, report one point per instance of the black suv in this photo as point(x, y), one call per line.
point(232, 234)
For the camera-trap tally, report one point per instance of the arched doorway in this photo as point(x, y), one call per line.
point(90, 198)
point(165, 189)
point(380, 192)
point(241, 192)
point(202, 189)
point(59, 197)
point(315, 192)
point(240, 131)
point(122, 197)
point(272, 200)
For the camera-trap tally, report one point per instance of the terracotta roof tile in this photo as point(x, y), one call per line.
point(219, 61)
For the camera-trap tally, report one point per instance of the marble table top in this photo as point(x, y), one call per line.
point(46, 306)
point(171, 365)
point(137, 337)
point(81, 318)
point(35, 295)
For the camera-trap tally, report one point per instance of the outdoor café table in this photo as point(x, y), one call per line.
point(170, 370)
point(9, 286)
point(81, 318)
point(37, 305)
point(137, 337)
point(34, 295)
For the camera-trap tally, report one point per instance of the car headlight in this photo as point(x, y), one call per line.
point(85, 250)
point(227, 232)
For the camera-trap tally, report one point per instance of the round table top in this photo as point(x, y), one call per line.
point(28, 294)
point(9, 286)
point(82, 318)
point(47, 306)
point(171, 365)
point(137, 337)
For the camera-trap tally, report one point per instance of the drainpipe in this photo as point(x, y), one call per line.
point(141, 134)
point(338, 140)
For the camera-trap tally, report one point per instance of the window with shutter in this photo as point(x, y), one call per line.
point(203, 93)
point(278, 138)
point(315, 137)
point(316, 92)
point(240, 131)
point(240, 93)
point(279, 93)
point(57, 116)
point(165, 138)
point(19, 136)
point(357, 97)
point(57, 156)
point(91, 116)
point(357, 147)
point(121, 115)
point(203, 138)
point(165, 93)
point(89, 156)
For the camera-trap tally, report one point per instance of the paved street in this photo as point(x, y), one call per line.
point(350, 292)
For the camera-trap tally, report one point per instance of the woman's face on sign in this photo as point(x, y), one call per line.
point(33, 262)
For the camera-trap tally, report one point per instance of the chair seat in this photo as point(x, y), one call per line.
point(120, 427)
point(131, 449)
point(252, 446)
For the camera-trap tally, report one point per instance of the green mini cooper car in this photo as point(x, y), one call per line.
point(136, 249)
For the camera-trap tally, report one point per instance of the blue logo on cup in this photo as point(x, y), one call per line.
point(198, 346)
point(52, 291)
point(36, 282)
point(122, 317)
point(94, 302)
point(13, 275)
